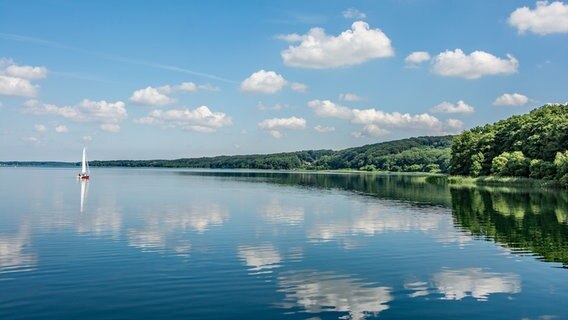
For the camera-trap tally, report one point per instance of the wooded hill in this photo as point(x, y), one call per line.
point(419, 154)
point(533, 145)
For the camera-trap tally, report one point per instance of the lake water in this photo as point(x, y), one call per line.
point(190, 244)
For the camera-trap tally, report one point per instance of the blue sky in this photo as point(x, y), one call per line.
point(171, 79)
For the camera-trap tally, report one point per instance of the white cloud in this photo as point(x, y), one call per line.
point(201, 119)
point(159, 96)
point(544, 19)
point(187, 86)
point(350, 97)
point(11, 86)
point(323, 129)
point(26, 72)
point(328, 109)
point(87, 138)
point(508, 99)
point(298, 87)
point(416, 58)
point(447, 107)
point(473, 66)
point(292, 123)
point(61, 129)
point(150, 96)
point(353, 13)
point(87, 111)
point(454, 124)
point(374, 120)
point(275, 124)
point(40, 128)
point(15, 80)
point(318, 50)
point(374, 130)
point(263, 81)
point(395, 119)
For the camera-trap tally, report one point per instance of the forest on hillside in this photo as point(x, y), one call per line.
point(534, 145)
point(418, 154)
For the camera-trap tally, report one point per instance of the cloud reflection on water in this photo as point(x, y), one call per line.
point(13, 252)
point(377, 219)
point(260, 259)
point(317, 292)
point(458, 284)
point(162, 229)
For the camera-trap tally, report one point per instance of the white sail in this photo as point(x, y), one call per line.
point(84, 163)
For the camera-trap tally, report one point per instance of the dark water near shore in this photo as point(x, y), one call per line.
point(180, 244)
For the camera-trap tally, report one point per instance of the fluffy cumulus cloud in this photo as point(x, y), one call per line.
point(447, 107)
point(375, 122)
point(150, 96)
point(545, 18)
point(160, 96)
point(374, 130)
point(328, 109)
point(16, 80)
point(274, 125)
point(395, 119)
point(201, 119)
point(269, 82)
point(353, 13)
point(323, 129)
point(475, 65)
point(263, 81)
point(318, 50)
point(416, 58)
point(511, 99)
point(103, 112)
point(351, 97)
point(26, 72)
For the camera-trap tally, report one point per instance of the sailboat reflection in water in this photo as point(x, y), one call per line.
point(84, 191)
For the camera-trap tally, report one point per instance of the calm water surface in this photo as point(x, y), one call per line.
point(183, 244)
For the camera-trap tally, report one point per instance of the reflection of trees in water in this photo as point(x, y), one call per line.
point(530, 220)
point(413, 188)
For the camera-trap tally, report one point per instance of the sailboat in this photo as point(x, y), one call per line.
point(84, 175)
